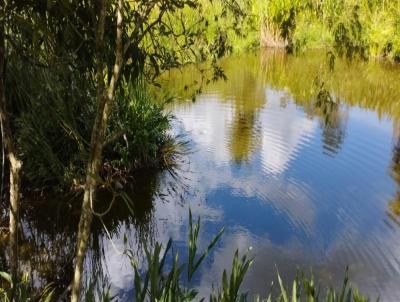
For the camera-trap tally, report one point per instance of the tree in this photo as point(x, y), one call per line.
point(15, 164)
point(105, 98)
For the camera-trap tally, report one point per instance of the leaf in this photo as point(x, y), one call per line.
point(283, 290)
point(294, 291)
point(6, 277)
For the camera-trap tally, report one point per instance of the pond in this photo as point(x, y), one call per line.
point(305, 184)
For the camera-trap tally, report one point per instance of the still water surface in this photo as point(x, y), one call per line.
point(305, 185)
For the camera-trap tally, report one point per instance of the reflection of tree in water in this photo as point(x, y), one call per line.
point(243, 92)
point(243, 135)
point(298, 77)
point(246, 93)
point(48, 231)
point(46, 242)
point(372, 85)
point(394, 204)
point(333, 121)
point(333, 133)
point(3, 235)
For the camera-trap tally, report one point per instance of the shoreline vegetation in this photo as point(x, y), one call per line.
point(76, 111)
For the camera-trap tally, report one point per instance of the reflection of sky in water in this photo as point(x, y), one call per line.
point(296, 205)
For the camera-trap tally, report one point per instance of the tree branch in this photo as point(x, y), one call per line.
point(113, 137)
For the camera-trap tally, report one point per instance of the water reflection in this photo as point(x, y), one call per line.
point(243, 139)
point(315, 188)
point(394, 204)
point(48, 231)
point(334, 130)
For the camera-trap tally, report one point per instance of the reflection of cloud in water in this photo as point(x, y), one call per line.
point(290, 197)
point(372, 279)
point(284, 132)
point(207, 121)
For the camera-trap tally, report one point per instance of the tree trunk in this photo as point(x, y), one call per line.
point(104, 103)
point(15, 169)
point(15, 163)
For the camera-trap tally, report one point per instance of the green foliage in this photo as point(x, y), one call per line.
point(160, 282)
point(53, 125)
point(143, 127)
point(230, 290)
point(232, 26)
point(194, 264)
point(51, 58)
point(21, 292)
point(216, 28)
point(92, 296)
point(349, 36)
point(305, 289)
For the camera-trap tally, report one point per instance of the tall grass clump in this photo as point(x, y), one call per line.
point(141, 128)
point(279, 23)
